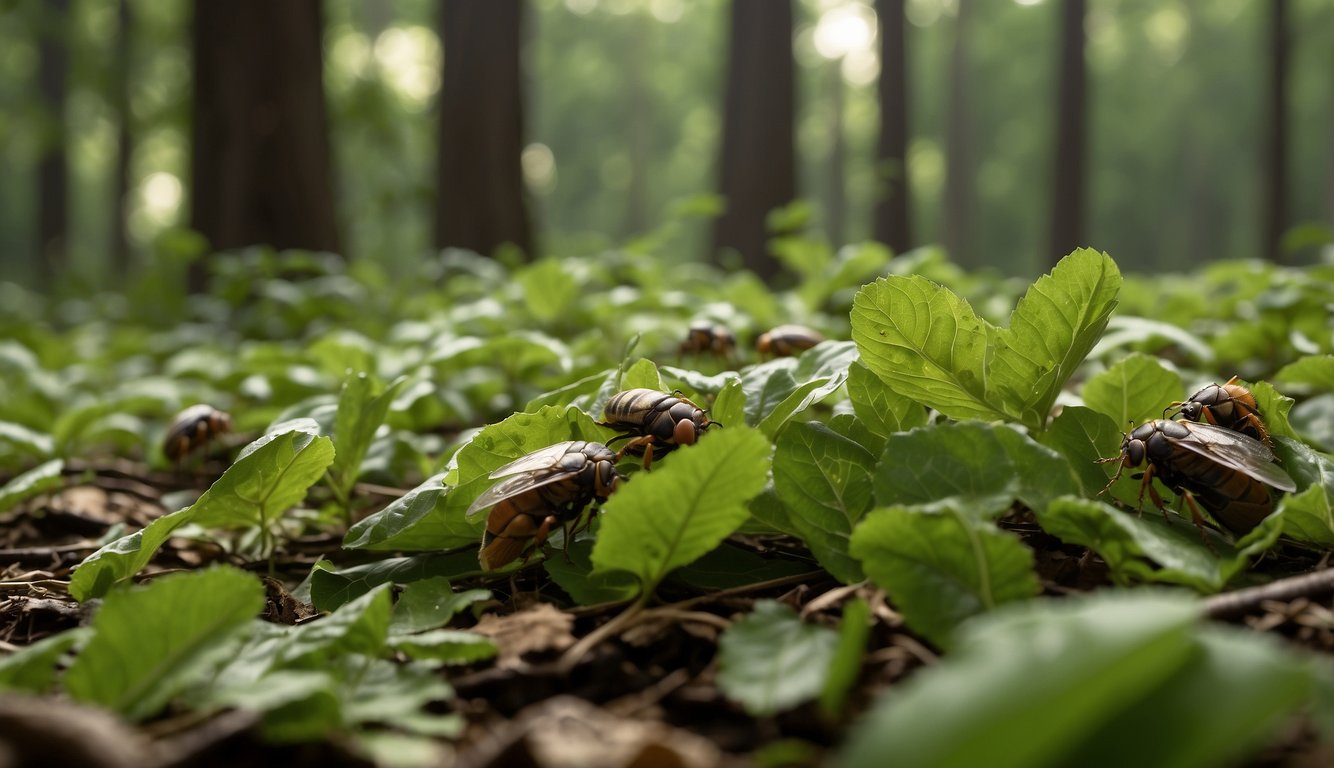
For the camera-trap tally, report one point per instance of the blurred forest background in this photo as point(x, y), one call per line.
point(1198, 130)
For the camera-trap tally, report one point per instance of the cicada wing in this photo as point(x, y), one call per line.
point(1238, 451)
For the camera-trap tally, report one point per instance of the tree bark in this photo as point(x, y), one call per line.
point(1276, 128)
point(892, 218)
point(260, 151)
point(959, 197)
point(836, 212)
point(53, 164)
point(481, 201)
point(758, 154)
point(120, 245)
point(1068, 176)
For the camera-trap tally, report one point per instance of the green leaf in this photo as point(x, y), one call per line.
point(573, 572)
point(1308, 516)
point(1247, 684)
point(359, 626)
point(668, 517)
point(149, 643)
point(731, 566)
point(430, 604)
point(771, 660)
point(824, 480)
point(331, 588)
point(846, 666)
point(30, 442)
point(417, 520)
point(729, 407)
point(1133, 390)
point(32, 668)
point(361, 411)
point(1150, 547)
point(925, 343)
point(974, 467)
point(270, 476)
point(1083, 436)
point(1052, 329)
point(880, 408)
point(446, 646)
point(641, 373)
point(548, 288)
point(1026, 686)
point(36, 481)
point(1314, 371)
point(941, 568)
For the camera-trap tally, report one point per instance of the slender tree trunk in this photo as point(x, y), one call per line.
point(261, 161)
point(1068, 176)
point(481, 202)
point(53, 165)
point(959, 133)
point(892, 218)
point(837, 209)
point(120, 245)
point(758, 155)
point(1276, 129)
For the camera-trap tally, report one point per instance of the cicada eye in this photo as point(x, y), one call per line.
point(1134, 451)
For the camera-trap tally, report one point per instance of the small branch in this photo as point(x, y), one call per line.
point(571, 658)
point(1242, 600)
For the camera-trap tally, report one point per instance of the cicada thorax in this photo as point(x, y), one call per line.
point(654, 422)
point(1230, 405)
point(1228, 474)
point(550, 489)
point(192, 429)
point(787, 340)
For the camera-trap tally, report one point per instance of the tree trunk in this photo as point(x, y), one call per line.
point(120, 245)
point(1068, 177)
point(260, 163)
point(53, 164)
point(1276, 128)
point(758, 155)
point(892, 219)
point(480, 203)
point(959, 197)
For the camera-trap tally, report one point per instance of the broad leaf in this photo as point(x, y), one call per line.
point(32, 669)
point(361, 411)
point(572, 571)
point(149, 643)
point(978, 468)
point(1133, 391)
point(36, 481)
point(1314, 371)
point(417, 520)
point(331, 588)
point(846, 666)
point(446, 646)
point(1052, 329)
point(880, 408)
point(941, 568)
point(1150, 547)
point(771, 660)
point(1083, 436)
point(430, 604)
point(359, 626)
point(824, 480)
point(1027, 686)
point(682, 509)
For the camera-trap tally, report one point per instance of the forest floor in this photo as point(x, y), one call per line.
point(645, 696)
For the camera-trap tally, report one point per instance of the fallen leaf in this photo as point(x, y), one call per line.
point(542, 627)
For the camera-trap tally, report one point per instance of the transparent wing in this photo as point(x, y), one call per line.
point(533, 470)
point(1237, 451)
point(545, 458)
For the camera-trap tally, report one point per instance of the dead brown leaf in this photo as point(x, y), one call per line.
point(542, 627)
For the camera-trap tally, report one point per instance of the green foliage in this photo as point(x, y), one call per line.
point(269, 477)
point(1050, 683)
point(824, 479)
point(926, 343)
point(361, 411)
point(38, 480)
point(771, 660)
point(670, 517)
point(941, 567)
point(1134, 390)
point(148, 644)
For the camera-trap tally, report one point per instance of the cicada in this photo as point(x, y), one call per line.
point(655, 422)
point(713, 338)
point(192, 429)
point(1232, 476)
point(1229, 405)
point(540, 491)
point(787, 341)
